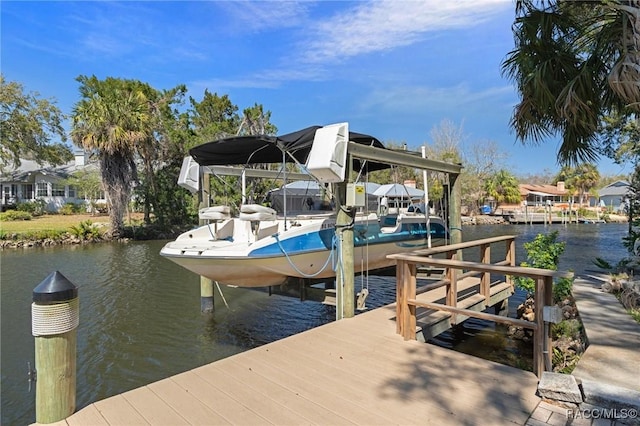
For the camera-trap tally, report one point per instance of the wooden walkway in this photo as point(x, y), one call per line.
point(354, 371)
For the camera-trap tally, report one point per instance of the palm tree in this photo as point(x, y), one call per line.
point(113, 119)
point(581, 178)
point(573, 63)
point(503, 187)
point(586, 178)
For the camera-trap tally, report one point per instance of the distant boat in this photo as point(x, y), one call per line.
point(261, 247)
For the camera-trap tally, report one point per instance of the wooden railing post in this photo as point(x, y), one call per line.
point(511, 258)
point(451, 297)
point(410, 289)
point(539, 337)
point(401, 299)
point(485, 282)
point(548, 301)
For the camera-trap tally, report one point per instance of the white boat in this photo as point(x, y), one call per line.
point(261, 247)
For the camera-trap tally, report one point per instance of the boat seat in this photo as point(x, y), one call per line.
point(393, 229)
point(215, 213)
point(256, 213)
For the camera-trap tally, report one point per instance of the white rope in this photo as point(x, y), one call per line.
point(59, 318)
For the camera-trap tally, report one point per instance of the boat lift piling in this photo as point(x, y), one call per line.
point(206, 285)
point(345, 277)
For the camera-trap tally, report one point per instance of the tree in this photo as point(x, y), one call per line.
point(215, 117)
point(503, 187)
point(481, 160)
point(113, 118)
point(28, 124)
point(581, 178)
point(88, 184)
point(573, 63)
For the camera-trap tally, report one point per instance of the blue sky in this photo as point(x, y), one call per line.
point(395, 69)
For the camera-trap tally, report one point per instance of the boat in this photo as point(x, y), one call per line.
point(261, 247)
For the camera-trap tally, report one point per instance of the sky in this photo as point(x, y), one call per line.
point(394, 69)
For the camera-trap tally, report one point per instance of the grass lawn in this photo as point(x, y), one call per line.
point(49, 222)
point(59, 222)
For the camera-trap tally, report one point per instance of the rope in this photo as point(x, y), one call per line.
point(305, 275)
point(48, 320)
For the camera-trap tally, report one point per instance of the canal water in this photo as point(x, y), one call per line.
point(140, 317)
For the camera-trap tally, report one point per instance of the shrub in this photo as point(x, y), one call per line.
point(543, 252)
point(71, 208)
point(15, 215)
point(562, 289)
point(36, 208)
point(86, 231)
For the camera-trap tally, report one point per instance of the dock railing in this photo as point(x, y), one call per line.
point(456, 269)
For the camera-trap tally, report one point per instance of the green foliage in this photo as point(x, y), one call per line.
point(570, 328)
point(601, 263)
point(15, 215)
point(36, 207)
point(44, 234)
point(27, 125)
point(631, 240)
point(71, 208)
point(543, 252)
point(562, 289)
point(86, 231)
point(569, 65)
point(503, 187)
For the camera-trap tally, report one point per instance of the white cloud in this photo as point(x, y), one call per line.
point(251, 17)
point(387, 24)
point(420, 99)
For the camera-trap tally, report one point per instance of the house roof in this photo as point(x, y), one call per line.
point(619, 187)
point(30, 167)
point(541, 190)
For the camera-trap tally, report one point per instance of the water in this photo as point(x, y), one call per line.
point(140, 317)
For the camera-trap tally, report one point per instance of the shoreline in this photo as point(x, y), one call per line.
point(150, 233)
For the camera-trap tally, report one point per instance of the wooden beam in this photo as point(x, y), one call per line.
point(480, 315)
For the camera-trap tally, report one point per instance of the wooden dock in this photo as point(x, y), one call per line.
point(353, 371)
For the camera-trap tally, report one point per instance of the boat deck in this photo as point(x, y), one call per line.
point(354, 371)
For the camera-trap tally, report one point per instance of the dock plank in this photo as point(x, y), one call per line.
point(118, 411)
point(353, 371)
point(231, 410)
point(152, 408)
point(192, 409)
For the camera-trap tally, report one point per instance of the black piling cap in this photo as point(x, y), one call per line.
point(55, 288)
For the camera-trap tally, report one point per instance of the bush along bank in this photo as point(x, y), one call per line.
point(567, 337)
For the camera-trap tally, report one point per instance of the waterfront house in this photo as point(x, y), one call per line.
point(31, 181)
point(540, 195)
point(614, 196)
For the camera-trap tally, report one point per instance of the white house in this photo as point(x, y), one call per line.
point(614, 195)
point(32, 181)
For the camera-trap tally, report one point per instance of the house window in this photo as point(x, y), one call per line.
point(57, 190)
point(72, 191)
point(42, 189)
point(27, 191)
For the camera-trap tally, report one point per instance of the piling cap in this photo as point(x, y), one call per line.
point(55, 288)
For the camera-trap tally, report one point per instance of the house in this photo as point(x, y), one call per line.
point(32, 181)
point(539, 195)
point(614, 195)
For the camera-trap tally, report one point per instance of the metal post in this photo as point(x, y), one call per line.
point(206, 285)
point(54, 322)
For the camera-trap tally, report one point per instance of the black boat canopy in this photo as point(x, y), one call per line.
point(268, 149)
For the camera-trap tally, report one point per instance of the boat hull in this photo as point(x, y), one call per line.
point(307, 249)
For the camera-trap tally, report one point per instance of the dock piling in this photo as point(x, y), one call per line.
point(54, 322)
